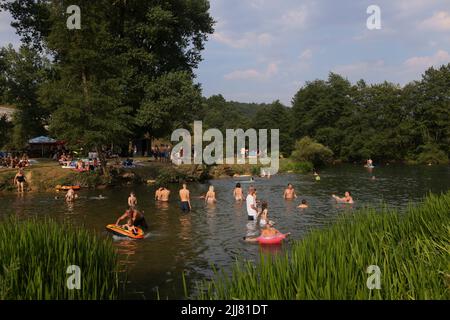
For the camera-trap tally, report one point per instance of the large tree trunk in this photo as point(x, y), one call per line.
point(103, 161)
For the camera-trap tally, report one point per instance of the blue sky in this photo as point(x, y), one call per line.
point(263, 50)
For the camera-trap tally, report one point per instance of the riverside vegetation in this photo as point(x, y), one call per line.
point(411, 248)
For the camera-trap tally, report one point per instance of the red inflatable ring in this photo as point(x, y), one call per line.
point(271, 240)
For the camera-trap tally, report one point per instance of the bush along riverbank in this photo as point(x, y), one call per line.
point(35, 256)
point(410, 248)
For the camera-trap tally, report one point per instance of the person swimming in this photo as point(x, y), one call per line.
point(303, 205)
point(237, 192)
point(267, 232)
point(346, 199)
point(70, 195)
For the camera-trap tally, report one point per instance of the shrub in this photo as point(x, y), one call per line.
point(432, 154)
point(307, 149)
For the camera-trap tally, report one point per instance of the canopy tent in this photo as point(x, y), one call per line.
point(42, 140)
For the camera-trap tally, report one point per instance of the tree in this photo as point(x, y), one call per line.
point(172, 101)
point(276, 116)
point(307, 149)
point(22, 72)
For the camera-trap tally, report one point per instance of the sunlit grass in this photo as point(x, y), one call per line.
point(34, 256)
point(411, 249)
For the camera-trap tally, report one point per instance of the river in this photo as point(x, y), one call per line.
point(211, 234)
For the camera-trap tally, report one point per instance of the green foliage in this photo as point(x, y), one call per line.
point(382, 121)
point(307, 149)
point(411, 250)
point(289, 165)
point(172, 101)
point(36, 254)
point(432, 154)
point(22, 72)
point(276, 116)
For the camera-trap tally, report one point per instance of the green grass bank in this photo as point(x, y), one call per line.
point(35, 256)
point(411, 248)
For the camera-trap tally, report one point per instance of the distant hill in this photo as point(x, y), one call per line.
point(247, 110)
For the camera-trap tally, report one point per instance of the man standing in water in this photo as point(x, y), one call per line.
point(252, 211)
point(289, 192)
point(132, 200)
point(164, 194)
point(185, 199)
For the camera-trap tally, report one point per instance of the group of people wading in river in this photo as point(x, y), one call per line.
point(257, 211)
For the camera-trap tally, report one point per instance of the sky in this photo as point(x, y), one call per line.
point(266, 50)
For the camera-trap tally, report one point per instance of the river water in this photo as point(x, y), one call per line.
point(211, 234)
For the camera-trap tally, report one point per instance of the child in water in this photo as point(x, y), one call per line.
point(264, 215)
point(267, 232)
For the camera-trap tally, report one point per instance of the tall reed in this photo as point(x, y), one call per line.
point(35, 255)
point(412, 250)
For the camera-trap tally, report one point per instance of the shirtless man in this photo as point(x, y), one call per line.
point(132, 200)
point(164, 194)
point(134, 218)
point(158, 193)
point(289, 192)
point(346, 199)
point(237, 192)
point(185, 199)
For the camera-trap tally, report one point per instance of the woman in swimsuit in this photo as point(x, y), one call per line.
point(237, 192)
point(19, 179)
point(210, 195)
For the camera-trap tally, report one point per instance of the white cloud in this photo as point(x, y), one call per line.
point(440, 21)
point(271, 70)
point(294, 19)
point(424, 62)
point(306, 54)
point(247, 40)
point(358, 68)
